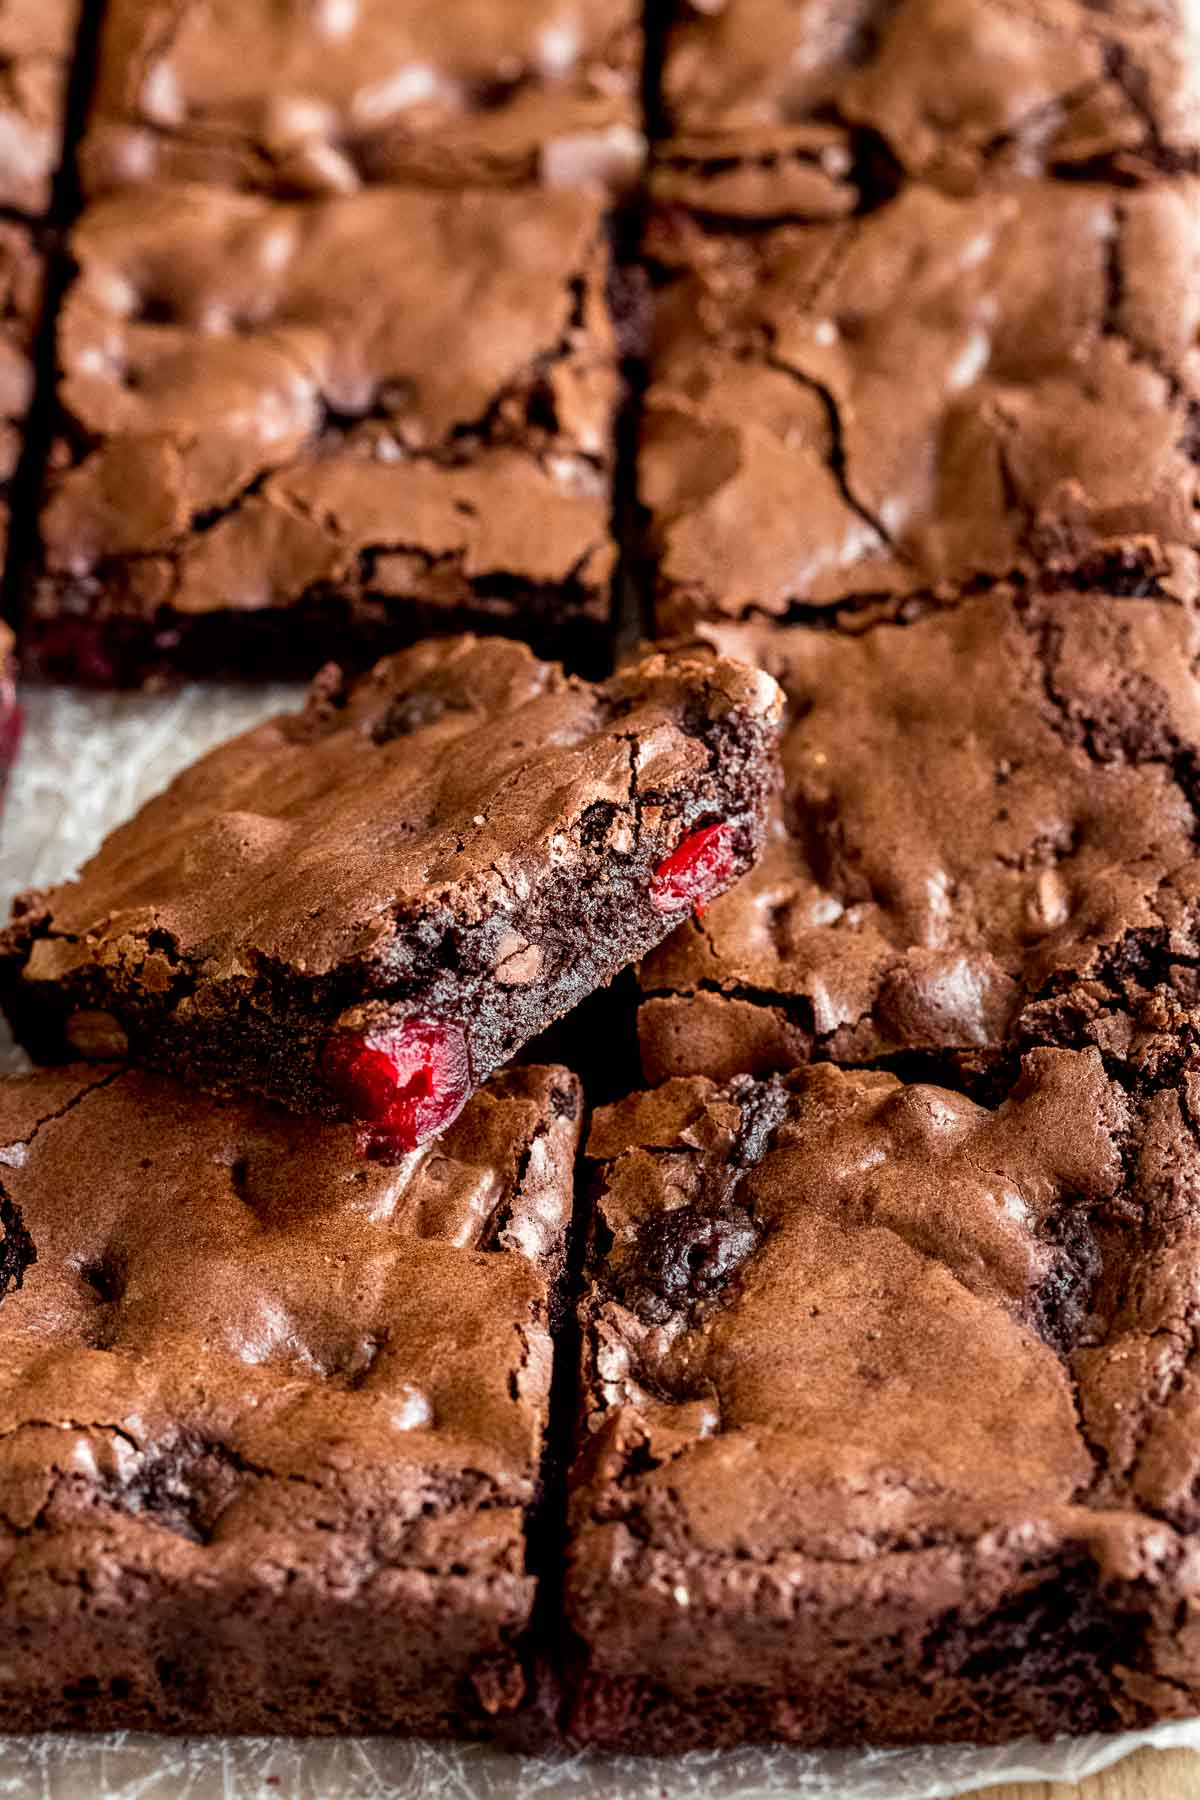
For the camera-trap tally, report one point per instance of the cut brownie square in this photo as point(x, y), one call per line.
point(363, 909)
point(986, 839)
point(22, 284)
point(941, 393)
point(270, 1421)
point(322, 98)
point(807, 107)
point(37, 44)
point(295, 430)
point(890, 1412)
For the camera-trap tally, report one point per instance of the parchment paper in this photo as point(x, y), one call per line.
point(85, 763)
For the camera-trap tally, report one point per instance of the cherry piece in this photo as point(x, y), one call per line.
point(406, 1082)
point(696, 872)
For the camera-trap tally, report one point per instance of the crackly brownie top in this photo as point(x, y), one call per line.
point(987, 831)
point(326, 96)
point(957, 91)
point(36, 41)
point(216, 1320)
point(453, 782)
point(835, 1315)
point(944, 389)
point(259, 396)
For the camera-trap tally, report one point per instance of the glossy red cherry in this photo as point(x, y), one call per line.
point(696, 872)
point(405, 1082)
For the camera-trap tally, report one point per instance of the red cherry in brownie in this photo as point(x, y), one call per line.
point(695, 872)
point(405, 1082)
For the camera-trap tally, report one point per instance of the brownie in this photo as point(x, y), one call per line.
point(272, 1421)
point(785, 106)
point(291, 430)
point(889, 1412)
point(37, 42)
point(362, 909)
point(325, 97)
point(22, 278)
point(986, 840)
point(944, 392)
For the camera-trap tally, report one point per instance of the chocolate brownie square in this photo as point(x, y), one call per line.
point(809, 108)
point(944, 392)
point(37, 43)
point(362, 909)
point(323, 98)
point(290, 430)
point(22, 281)
point(271, 1421)
point(889, 1412)
point(986, 839)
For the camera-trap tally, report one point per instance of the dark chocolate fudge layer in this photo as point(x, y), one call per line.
point(270, 1420)
point(986, 838)
point(362, 909)
point(325, 97)
point(944, 391)
point(37, 42)
point(890, 1411)
point(801, 106)
point(22, 273)
point(295, 430)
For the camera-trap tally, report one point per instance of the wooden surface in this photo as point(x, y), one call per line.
point(1150, 1775)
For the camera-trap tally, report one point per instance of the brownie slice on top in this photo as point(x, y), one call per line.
point(986, 840)
point(270, 1421)
point(363, 909)
point(889, 1411)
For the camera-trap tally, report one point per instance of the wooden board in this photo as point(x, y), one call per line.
point(1150, 1775)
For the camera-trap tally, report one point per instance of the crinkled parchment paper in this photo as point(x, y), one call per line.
point(86, 762)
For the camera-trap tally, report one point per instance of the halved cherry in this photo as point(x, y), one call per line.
point(406, 1082)
point(699, 869)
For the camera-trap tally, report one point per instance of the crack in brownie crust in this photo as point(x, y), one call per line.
point(466, 841)
point(774, 106)
point(945, 392)
point(246, 93)
point(271, 1419)
point(987, 838)
point(394, 402)
point(918, 1461)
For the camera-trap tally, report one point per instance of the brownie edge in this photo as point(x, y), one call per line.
point(426, 866)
